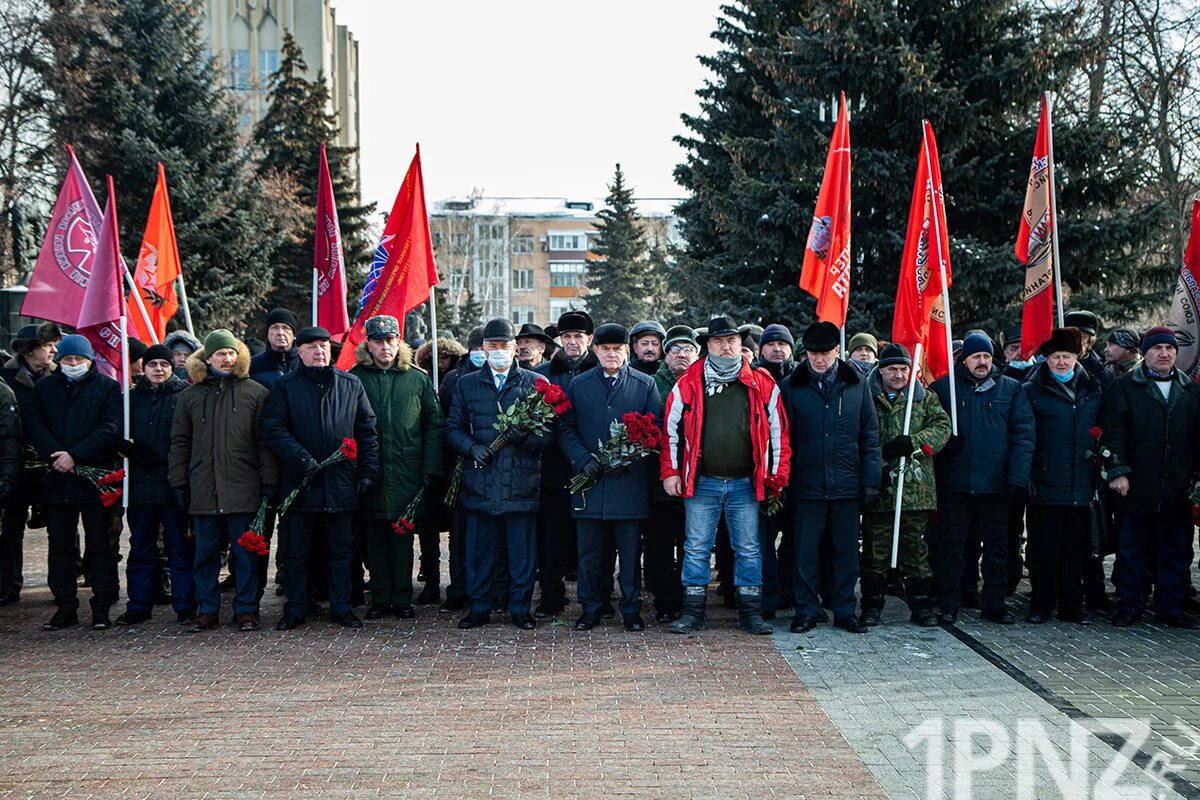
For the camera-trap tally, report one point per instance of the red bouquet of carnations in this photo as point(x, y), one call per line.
point(108, 482)
point(406, 524)
point(630, 438)
point(347, 451)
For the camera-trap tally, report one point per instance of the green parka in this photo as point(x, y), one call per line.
point(930, 425)
point(409, 422)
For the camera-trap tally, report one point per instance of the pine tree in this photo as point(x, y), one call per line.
point(133, 87)
point(976, 71)
point(289, 137)
point(623, 284)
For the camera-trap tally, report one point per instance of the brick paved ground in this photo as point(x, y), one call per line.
point(402, 708)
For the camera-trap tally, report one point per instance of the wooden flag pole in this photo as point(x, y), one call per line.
point(912, 388)
point(1057, 265)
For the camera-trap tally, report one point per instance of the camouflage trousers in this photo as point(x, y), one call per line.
point(913, 558)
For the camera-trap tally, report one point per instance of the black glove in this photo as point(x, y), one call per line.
point(310, 465)
point(517, 438)
point(481, 454)
point(364, 485)
point(898, 447)
point(592, 470)
point(181, 497)
point(616, 472)
point(1018, 494)
point(268, 492)
point(870, 495)
point(138, 453)
point(427, 481)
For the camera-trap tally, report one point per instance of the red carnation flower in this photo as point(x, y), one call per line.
point(109, 499)
point(927, 449)
point(349, 449)
point(562, 408)
point(1095, 432)
point(541, 385)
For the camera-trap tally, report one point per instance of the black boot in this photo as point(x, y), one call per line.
point(693, 618)
point(919, 592)
point(750, 617)
point(873, 588)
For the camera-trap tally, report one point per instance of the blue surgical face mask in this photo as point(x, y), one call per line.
point(478, 358)
point(74, 371)
point(1064, 377)
point(500, 360)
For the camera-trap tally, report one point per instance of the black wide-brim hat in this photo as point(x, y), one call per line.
point(719, 326)
point(529, 330)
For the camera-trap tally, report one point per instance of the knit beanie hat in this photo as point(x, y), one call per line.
point(1156, 335)
point(976, 343)
point(219, 340)
point(157, 352)
point(863, 339)
point(75, 345)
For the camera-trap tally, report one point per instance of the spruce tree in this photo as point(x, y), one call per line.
point(623, 285)
point(289, 138)
point(133, 87)
point(976, 71)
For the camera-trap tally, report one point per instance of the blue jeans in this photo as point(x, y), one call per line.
point(142, 566)
point(703, 509)
point(211, 530)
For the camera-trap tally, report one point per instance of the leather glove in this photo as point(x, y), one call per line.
point(616, 472)
point(364, 485)
point(310, 465)
point(268, 492)
point(870, 495)
point(592, 470)
point(1018, 494)
point(481, 454)
point(138, 452)
point(898, 447)
point(517, 438)
point(427, 481)
point(181, 497)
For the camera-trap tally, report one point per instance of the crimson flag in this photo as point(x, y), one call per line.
point(104, 299)
point(403, 272)
point(68, 251)
point(826, 271)
point(1184, 318)
point(1035, 245)
point(328, 263)
point(919, 314)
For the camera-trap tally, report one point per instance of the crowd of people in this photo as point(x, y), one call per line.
point(783, 457)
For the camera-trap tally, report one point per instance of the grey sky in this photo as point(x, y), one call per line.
point(532, 97)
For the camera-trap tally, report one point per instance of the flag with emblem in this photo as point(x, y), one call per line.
point(329, 267)
point(102, 314)
point(1035, 241)
point(157, 269)
point(1184, 318)
point(826, 271)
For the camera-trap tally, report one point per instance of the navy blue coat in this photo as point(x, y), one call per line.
point(511, 483)
point(559, 371)
point(151, 412)
point(835, 442)
point(1062, 475)
point(270, 365)
point(581, 431)
point(309, 413)
point(994, 447)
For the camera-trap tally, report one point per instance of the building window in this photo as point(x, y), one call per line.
point(239, 69)
point(567, 273)
point(268, 65)
point(522, 314)
point(568, 241)
point(458, 243)
point(522, 245)
point(522, 279)
point(459, 281)
point(558, 305)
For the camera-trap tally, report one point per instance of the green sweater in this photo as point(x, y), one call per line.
point(725, 447)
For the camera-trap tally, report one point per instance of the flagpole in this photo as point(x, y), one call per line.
point(125, 407)
point(937, 233)
point(842, 343)
point(433, 333)
point(912, 388)
point(187, 310)
point(1057, 266)
point(137, 296)
point(314, 299)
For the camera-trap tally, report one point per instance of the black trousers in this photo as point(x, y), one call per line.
point(555, 543)
point(1162, 545)
point(983, 517)
point(62, 523)
point(457, 588)
point(1016, 530)
point(664, 535)
point(1059, 538)
point(300, 528)
point(12, 544)
point(814, 520)
point(596, 540)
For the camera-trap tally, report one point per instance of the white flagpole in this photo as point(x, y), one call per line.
point(1057, 266)
point(187, 310)
point(433, 333)
point(912, 388)
point(937, 235)
point(137, 296)
point(842, 343)
point(314, 302)
point(125, 407)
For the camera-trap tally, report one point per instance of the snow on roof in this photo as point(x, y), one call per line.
point(583, 208)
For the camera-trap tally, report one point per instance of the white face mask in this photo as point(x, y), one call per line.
point(499, 360)
point(74, 371)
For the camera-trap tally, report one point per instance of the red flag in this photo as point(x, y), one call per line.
point(103, 300)
point(919, 315)
point(157, 268)
point(65, 261)
point(1035, 245)
point(327, 258)
point(1185, 306)
point(403, 272)
point(826, 271)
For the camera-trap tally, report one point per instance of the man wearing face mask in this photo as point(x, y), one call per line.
point(1151, 422)
point(726, 433)
point(532, 344)
point(500, 491)
point(557, 547)
point(74, 419)
point(280, 356)
point(646, 346)
point(978, 472)
point(310, 413)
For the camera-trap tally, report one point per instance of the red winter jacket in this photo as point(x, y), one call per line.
point(683, 420)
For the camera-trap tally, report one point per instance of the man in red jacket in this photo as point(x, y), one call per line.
point(727, 437)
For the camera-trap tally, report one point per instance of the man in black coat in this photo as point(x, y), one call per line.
point(500, 491)
point(74, 419)
point(985, 465)
point(1151, 422)
point(280, 357)
point(613, 511)
point(310, 413)
point(646, 346)
point(556, 530)
point(836, 472)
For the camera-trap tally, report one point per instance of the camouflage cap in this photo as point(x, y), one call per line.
point(381, 327)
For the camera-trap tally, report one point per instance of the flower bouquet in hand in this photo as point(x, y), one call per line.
point(406, 524)
point(108, 482)
point(347, 451)
point(533, 413)
point(912, 467)
point(773, 485)
point(252, 540)
point(630, 438)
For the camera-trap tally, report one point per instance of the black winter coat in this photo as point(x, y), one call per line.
point(994, 447)
point(559, 371)
point(82, 417)
point(309, 413)
point(270, 365)
point(11, 444)
point(583, 428)
point(1062, 473)
point(151, 412)
point(1154, 442)
point(450, 381)
point(511, 483)
point(835, 441)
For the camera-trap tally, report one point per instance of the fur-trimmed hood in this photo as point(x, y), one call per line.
point(172, 338)
point(403, 362)
point(197, 367)
point(451, 346)
point(802, 374)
